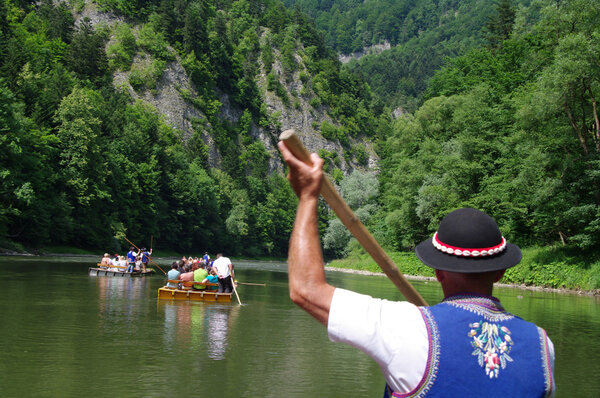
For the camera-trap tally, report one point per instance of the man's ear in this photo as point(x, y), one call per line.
point(440, 275)
point(499, 275)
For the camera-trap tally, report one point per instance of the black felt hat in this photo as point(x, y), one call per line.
point(468, 241)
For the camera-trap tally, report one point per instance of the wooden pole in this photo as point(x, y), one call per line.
point(149, 258)
point(235, 291)
point(354, 225)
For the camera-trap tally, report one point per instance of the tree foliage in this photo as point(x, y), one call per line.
point(83, 164)
point(511, 129)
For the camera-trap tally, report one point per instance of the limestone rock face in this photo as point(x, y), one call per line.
point(181, 114)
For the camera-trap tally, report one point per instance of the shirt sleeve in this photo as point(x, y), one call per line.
point(392, 333)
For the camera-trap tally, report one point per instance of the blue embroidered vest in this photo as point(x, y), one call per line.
point(477, 349)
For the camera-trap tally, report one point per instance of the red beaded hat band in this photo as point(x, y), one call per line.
point(468, 252)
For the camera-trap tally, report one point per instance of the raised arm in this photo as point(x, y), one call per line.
point(308, 287)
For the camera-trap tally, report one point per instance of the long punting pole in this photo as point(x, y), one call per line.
point(235, 291)
point(354, 225)
point(149, 258)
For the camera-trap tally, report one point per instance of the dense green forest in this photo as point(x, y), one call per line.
point(511, 127)
point(83, 164)
point(350, 25)
point(422, 35)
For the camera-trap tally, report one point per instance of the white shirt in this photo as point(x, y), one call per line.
point(222, 265)
point(393, 333)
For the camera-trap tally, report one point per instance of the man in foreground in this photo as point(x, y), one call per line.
point(466, 346)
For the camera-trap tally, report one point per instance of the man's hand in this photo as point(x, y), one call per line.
point(305, 179)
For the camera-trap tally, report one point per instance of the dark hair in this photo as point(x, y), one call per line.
point(174, 265)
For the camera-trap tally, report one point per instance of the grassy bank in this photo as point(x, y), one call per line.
point(555, 267)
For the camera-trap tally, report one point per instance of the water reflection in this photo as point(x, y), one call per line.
point(120, 307)
point(219, 320)
point(199, 325)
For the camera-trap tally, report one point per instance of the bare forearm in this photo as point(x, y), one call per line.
point(308, 287)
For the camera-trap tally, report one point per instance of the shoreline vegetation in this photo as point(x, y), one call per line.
point(555, 269)
point(558, 269)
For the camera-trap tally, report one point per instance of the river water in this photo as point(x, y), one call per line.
point(64, 333)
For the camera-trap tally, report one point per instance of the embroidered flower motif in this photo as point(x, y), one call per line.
point(488, 308)
point(492, 345)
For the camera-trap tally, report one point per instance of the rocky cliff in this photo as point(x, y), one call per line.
point(180, 113)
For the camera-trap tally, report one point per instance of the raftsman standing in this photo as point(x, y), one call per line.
point(466, 346)
point(224, 270)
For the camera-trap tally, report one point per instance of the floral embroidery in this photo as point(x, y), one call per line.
point(487, 307)
point(492, 345)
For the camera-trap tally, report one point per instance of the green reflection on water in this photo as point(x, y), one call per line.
point(64, 333)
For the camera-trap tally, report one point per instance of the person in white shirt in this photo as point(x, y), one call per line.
point(466, 346)
point(225, 273)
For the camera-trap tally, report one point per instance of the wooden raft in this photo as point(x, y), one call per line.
point(186, 292)
point(103, 271)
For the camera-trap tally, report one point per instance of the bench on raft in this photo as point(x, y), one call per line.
point(188, 285)
point(186, 292)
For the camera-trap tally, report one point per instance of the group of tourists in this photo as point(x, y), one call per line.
point(202, 271)
point(134, 261)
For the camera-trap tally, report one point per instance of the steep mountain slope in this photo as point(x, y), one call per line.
point(162, 118)
point(421, 34)
point(173, 95)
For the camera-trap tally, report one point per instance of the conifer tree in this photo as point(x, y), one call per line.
point(499, 25)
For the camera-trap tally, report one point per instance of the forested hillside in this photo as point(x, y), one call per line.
point(513, 129)
point(138, 118)
point(90, 152)
point(422, 34)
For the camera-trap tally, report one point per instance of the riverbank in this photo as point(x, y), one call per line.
point(550, 269)
point(432, 279)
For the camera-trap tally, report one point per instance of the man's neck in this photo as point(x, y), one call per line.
point(455, 291)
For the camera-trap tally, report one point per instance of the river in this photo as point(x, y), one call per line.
point(64, 333)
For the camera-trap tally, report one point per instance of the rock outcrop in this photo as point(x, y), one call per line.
point(180, 113)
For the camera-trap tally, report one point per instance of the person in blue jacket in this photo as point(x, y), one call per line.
point(131, 256)
point(145, 258)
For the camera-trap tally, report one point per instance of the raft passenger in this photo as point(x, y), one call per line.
point(105, 262)
point(173, 275)
point(199, 275)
